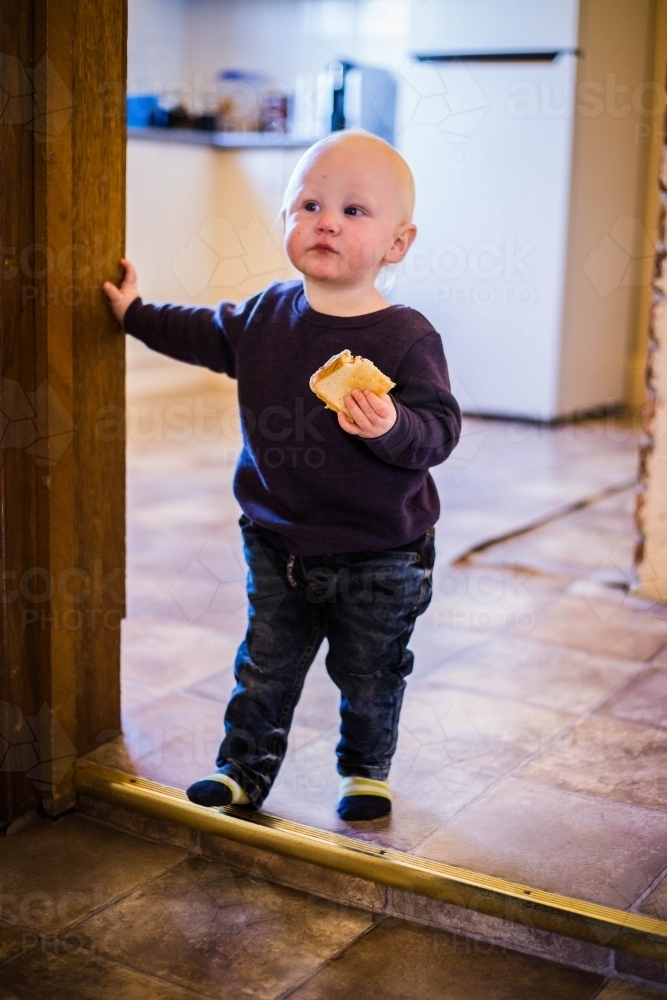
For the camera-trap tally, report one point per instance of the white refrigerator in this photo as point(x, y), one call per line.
point(523, 124)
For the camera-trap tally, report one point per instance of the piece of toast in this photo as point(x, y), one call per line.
point(341, 374)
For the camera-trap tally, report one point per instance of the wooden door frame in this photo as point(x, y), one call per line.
point(62, 363)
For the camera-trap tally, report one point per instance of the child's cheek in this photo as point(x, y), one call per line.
point(294, 243)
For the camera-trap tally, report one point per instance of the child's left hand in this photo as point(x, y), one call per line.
point(373, 415)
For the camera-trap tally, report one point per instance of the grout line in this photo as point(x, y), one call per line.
point(119, 898)
point(291, 990)
point(556, 515)
point(536, 753)
point(598, 989)
point(142, 972)
point(24, 951)
point(591, 797)
point(647, 892)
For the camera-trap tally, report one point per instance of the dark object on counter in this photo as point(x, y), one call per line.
point(363, 97)
point(179, 117)
point(205, 123)
point(159, 117)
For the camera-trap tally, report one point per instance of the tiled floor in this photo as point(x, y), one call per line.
point(92, 913)
point(534, 730)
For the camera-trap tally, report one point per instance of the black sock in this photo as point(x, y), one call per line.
point(209, 793)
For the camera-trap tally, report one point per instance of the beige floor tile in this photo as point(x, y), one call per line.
point(215, 687)
point(643, 700)
point(594, 849)
point(115, 754)
point(609, 758)
point(401, 960)
point(594, 542)
point(221, 933)
point(54, 873)
point(442, 725)
point(14, 940)
point(549, 467)
point(661, 659)
point(629, 991)
point(306, 791)
point(190, 725)
point(468, 597)
point(655, 904)
point(602, 627)
point(77, 975)
point(135, 694)
point(549, 676)
point(434, 643)
point(175, 765)
point(171, 655)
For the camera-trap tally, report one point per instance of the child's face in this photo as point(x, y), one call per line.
point(347, 216)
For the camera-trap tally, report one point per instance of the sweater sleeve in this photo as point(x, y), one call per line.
point(198, 335)
point(428, 418)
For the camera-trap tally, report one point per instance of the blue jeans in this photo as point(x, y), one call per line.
point(365, 604)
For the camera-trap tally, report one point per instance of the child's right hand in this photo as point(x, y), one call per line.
point(120, 298)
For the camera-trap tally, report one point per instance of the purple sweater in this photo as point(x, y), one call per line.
point(299, 473)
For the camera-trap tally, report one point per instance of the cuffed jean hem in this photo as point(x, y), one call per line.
point(249, 786)
point(362, 771)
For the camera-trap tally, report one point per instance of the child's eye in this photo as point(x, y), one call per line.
point(353, 210)
point(311, 206)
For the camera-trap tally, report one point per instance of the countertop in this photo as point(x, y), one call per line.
point(221, 140)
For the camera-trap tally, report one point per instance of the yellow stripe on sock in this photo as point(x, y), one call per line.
point(239, 797)
point(363, 786)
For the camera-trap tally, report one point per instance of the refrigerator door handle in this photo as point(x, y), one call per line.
point(498, 57)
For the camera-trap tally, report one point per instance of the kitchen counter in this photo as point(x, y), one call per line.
point(221, 140)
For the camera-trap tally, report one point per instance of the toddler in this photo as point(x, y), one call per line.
point(338, 513)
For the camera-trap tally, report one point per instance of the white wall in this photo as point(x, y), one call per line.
point(202, 223)
point(285, 37)
point(156, 45)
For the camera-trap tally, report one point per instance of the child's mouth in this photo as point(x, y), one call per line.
point(323, 247)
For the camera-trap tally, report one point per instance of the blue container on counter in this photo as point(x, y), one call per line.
point(143, 110)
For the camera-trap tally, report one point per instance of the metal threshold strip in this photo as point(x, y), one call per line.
point(522, 904)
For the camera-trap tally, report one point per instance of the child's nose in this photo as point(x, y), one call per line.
point(328, 222)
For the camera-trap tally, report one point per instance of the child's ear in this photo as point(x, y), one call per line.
point(403, 240)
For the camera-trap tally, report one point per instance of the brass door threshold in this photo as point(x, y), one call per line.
point(497, 897)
